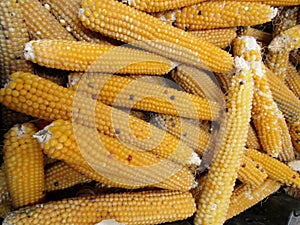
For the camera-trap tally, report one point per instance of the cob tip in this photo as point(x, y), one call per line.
point(240, 64)
point(43, 135)
point(29, 51)
point(195, 159)
point(20, 129)
point(294, 165)
point(274, 12)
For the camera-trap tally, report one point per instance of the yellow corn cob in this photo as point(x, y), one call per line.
point(259, 35)
point(246, 196)
point(220, 14)
point(24, 167)
point(219, 182)
point(140, 29)
point(264, 112)
point(60, 176)
point(138, 94)
point(278, 50)
point(252, 140)
point(144, 207)
point(288, 104)
point(250, 172)
point(27, 92)
point(275, 3)
point(193, 134)
point(41, 24)
point(66, 13)
point(107, 161)
point(219, 37)
point(287, 154)
point(95, 57)
point(13, 36)
point(198, 82)
point(4, 193)
point(285, 19)
point(160, 5)
point(275, 169)
point(292, 79)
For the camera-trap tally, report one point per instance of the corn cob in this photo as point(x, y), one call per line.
point(246, 196)
point(275, 169)
point(264, 112)
point(285, 19)
point(219, 181)
point(151, 6)
point(142, 30)
point(250, 172)
point(259, 35)
point(24, 167)
point(219, 37)
point(192, 134)
point(66, 13)
point(107, 161)
point(252, 140)
point(13, 36)
point(41, 23)
point(56, 102)
point(275, 3)
point(292, 79)
point(288, 104)
point(137, 94)
point(220, 14)
point(287, 154)
point(95, 57)
point(198, 82)
point(129, 208)
point(279, 49)
point(4, 193)
point(60, 176)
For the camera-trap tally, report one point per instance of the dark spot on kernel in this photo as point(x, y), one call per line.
point(166, 92)
point(171, 119)
point(18, 57)
point(184, 134)
point(172, 97)
point(6, 37)
point(262, 170)
point(297, 141)
point(257, 166)
point(199, 13)
point(297, 131)
point(186, 28)
point(174, 24)
point(294, 176)
point(129, 158)
point(131, 97)
point(241, 82)
point(90, 85)
point(173, 124)
point(117, 131)
point(56, 183)
point(3, 28)
point(94, 96)
point(244, 165)
point(226, 109)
